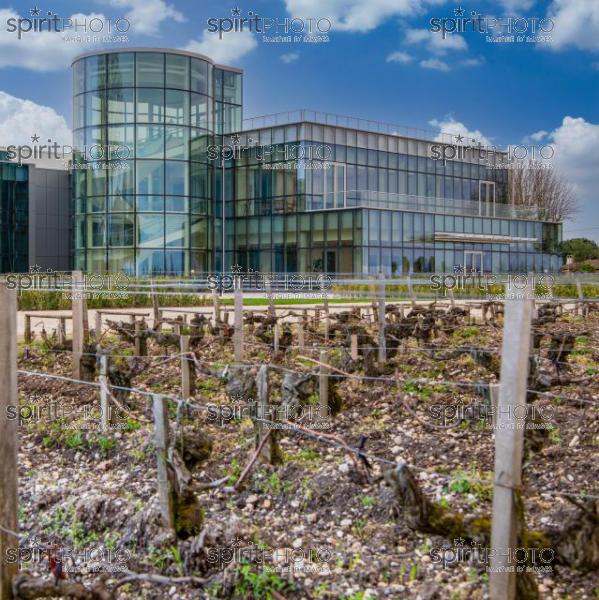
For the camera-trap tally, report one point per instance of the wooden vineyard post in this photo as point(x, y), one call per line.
point(215, 306)
point(276, 336)
point(263, 412)
point(62, 330)
point(141, 347)
point(238, 331)
point(27, 335)
point(580, 295)
point(354, 346)
point(98, 325)
point(187, 383)
point(381, 314)
point(271, 302)
point(105, 412)
point(451, 297)
point(161, 443)
point(79, 310)
point(157, 314)
point(323, 386)
point(8, 440)
point(300, 336)
point(509, 440)
point(373, 302)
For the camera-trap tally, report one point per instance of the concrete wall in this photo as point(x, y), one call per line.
point(49, 219)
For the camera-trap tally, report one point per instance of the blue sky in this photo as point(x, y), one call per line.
point(381, 62)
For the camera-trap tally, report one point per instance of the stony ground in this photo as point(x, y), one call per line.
point(81, 489)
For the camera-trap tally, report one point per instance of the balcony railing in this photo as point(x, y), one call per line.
point(390, 201)
point(324, 118)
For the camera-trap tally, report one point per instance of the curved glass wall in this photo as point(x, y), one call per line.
point(142, 183)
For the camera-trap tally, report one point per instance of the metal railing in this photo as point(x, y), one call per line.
point(428, 204)
point(325, 118)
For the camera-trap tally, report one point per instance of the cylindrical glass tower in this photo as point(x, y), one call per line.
point(149, 209)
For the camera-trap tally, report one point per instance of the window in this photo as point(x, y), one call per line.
point(176, 178)
point(177, 71)
point(150, 179)
point(120, 70)
point(150, 230)
point(150, 141)
point(121, 108)
point(95, 72)
point(121, 230)
point(199, 76)
point(150, 106)
point(176, 110)
point(150, 69)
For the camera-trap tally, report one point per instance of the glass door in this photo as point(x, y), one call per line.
point(486, 198)
point(334, 185)
point(330, 261)
point(473, 262)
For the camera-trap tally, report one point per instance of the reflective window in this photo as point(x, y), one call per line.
point(150, 69)
point(176, 107)
point(150, 179)
point(199, 76)
point(177, 71)
point(150, 106)
point(121, 106)
point(95, 72)
point(120, 70)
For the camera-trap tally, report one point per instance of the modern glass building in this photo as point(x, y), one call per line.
point(151, 209)
point(35, 219)
point(14, 216)
point(302, 191)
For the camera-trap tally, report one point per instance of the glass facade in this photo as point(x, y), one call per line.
point(14, 216)
point(298, 197)
point(151, 210)
point(361, 202)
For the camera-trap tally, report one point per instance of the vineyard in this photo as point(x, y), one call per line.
point(382, 446)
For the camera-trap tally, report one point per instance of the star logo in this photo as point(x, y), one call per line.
point(236, 270)
point(235, 138)
point(458, 268)
point(459, 12)
point(35, 11)
point(459, 542)
point(237, 398)
point(35, 137)
point(459, 138)
point(35, 269)
point(236, 12)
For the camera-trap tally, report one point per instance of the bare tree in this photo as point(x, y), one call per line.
point(543, 188)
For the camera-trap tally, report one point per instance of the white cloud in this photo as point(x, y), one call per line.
point(289, 57)
point(146, 16)
point(39, 51)
point(232, 47)
point(576, 23)
point(537, 136)
point(472, 62)
point(576, 147)
point(20, 119)
point(434, 42)
point(516, 7)
point(357, 15)
point(452, 127)
point(435, 64)
point(400, 57)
